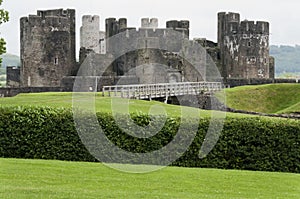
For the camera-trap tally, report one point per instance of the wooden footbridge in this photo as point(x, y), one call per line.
point(163, 90)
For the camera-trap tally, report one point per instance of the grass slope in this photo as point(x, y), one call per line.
point(292, 109)
point(56, 179)
point(103, 104)
point(271, 98)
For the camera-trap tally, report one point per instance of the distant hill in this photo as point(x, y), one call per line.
point(10, 60)
point(287, 59)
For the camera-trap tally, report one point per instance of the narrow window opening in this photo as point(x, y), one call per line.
point(56, 61)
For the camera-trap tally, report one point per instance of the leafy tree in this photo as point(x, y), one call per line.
point(3, 18)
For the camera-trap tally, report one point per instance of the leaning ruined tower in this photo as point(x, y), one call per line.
point(244, 47)
point(47, 48)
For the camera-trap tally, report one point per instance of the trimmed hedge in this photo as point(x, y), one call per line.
point(258, 143)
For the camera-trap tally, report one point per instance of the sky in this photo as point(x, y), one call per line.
point(284, 16)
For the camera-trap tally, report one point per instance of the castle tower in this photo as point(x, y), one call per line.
point(244, 47)
point(113, 27)
point(47, 48)
point(90, 35)
point(228, 25)
point(254, 49)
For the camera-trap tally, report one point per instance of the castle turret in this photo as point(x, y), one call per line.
point(111, 27)
point(244, 47)
point(47, 48)
point(227, 23)
point(89, 33)
point(122, 23)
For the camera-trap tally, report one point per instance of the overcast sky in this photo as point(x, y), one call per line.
point(284, 16)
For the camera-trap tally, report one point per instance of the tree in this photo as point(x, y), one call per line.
point(3, 18)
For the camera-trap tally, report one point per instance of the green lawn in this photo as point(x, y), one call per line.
point(57, 179)
point(103, 104)
point(272, 98)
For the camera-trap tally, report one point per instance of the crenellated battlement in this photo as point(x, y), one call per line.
point(114, 26)
point(230, 24)
point(53, 20)
point(253, 27)
point(57, 12)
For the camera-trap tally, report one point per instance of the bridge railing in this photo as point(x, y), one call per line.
point(148, 91)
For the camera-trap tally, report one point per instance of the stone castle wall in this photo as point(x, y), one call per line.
point(48, 50)
point(144, 59)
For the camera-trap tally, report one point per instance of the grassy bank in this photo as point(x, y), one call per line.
point(272, 98)
point(102, 104)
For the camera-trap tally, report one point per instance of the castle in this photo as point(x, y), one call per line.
point(48, 52)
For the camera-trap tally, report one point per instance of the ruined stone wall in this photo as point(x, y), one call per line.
point(244, 47)
point(47, 48)
point(148, 63)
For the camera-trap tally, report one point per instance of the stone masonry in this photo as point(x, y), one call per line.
point(145, 64)
point(244, 47)
point(90, 35)
point(48, 51)
point(47, 48)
